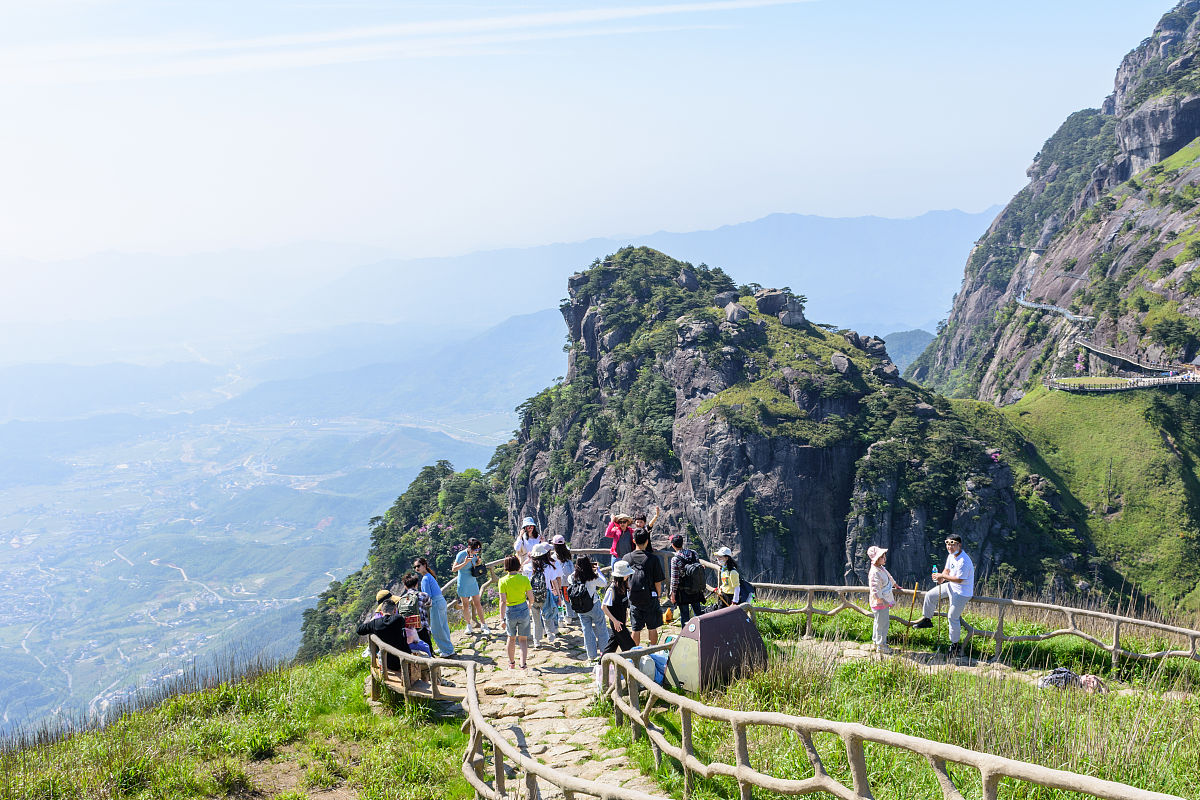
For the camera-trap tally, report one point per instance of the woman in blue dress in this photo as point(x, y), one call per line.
point(439, 619)
point(468, 585)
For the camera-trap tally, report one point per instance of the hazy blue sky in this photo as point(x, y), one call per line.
point(431, 128)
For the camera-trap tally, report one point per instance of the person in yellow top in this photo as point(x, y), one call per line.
point(729, 584)
point(516, 598)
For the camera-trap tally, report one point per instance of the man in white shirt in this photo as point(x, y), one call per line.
point(957, 584)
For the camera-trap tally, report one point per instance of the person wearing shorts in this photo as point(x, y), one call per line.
point(645, 609)
point(516, 600)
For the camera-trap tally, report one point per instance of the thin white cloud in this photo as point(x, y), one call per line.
point(134, 58)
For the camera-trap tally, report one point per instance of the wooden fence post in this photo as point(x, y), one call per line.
point(633, 688)
point(858, 766)
point(808, 634)
point(742, 754)
point(1116, 643)
point(999, 637)
point(685, 744)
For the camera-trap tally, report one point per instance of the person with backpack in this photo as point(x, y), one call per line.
point(413, 602)
point(439, 618)
point(645, 589)
point(880, 597)
point(688, 586)
point(527, 539)
point(467, 564)
point(584, 587)
point(516, 600)
point(543, 578)
point(730, 588)
point(615, 605)
point(388, 626)
point(561, 558)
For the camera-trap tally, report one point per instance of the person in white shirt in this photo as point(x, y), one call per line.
point(956, 582)
point(544, 577)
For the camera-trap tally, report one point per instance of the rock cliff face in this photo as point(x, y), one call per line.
point(1099, 246)
point(795, 445)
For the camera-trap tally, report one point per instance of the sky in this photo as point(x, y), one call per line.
point(179, 127)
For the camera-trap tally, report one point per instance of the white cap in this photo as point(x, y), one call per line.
point(540, 549)
point(621, 569)
point(725, 551)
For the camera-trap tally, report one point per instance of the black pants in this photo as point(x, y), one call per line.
point(689, 608)
point(618, 640)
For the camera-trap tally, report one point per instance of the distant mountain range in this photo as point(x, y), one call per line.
point(869, 273)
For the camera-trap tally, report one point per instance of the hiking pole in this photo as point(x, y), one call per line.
point(912, 606)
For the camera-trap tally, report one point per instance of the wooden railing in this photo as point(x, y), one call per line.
point(1071, 618)
point(492, 782)
point(627, 704)
point(628, 683)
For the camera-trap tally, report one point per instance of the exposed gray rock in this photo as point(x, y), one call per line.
point(792, 314)
point(771, 301)
point(687, 280)
point(924, 410)
point(736, 312)
point(725, 298)
point(843, 364)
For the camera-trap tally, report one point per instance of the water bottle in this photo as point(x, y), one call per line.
point(934, 570)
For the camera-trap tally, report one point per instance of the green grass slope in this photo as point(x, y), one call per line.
point(1129, 461)
point(283, 734)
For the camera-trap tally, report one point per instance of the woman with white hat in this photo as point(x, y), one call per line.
point(616, 609)
point(729, 582)
point(543, 577)
point(527, 539)
point(881, 597)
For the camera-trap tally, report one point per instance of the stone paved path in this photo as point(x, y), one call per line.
point(541, 707)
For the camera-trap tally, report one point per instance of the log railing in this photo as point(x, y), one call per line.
point(1071, 618)
point(626, 694)
point(626, 697)
point(492, 781)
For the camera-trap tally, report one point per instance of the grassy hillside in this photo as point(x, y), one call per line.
point(283, 734)
point(1126, 464)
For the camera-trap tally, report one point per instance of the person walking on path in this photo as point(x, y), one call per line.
point(584, 592)
point(687, 593)
point(729, 582)
point(645, 588)
point(956, 582)
point(439, 619)
point(527, 539)
point(881, 596)
point(620, 530)
point(516, 600)
point(562, 560)
point(468, 585)
point(543, 577)
point(615, 605)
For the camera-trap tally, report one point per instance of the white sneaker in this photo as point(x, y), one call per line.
point(470, 630)
point(486, 630)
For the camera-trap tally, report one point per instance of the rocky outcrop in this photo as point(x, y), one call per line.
point(1094, 244)
point(747, 433)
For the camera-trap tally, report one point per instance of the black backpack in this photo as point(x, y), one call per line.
point(580, 596)
point(641, 588)
point(692, 580)
point(538, 582)
point(747, 590)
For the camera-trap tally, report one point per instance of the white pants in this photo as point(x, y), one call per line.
point(880, 631)
point(957, 604)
